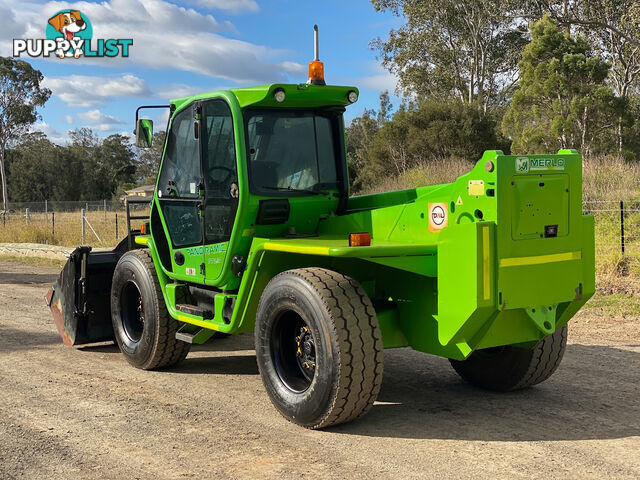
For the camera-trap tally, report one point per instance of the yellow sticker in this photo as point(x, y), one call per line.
point(476, 187)
point(459, 201)
point(438, 216)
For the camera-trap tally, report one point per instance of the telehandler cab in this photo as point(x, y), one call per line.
point(252, 228)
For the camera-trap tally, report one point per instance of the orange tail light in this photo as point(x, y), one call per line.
point(360, 239)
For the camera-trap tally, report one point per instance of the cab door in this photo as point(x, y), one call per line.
point(219, 170)
point(180, 195)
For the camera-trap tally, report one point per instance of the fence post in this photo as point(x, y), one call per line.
point(622, 226)
point(46, 212)
point(26, 215)
point(53, 225)
point(116, 226)
point(82, 224)
point(105, 210)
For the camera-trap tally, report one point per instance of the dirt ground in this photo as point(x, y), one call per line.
point(84, 413)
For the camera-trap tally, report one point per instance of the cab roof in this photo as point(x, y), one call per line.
point(296, 96)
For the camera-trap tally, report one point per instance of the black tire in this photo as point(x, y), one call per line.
point(342, 338)
point(144, 330)
point(513, 368)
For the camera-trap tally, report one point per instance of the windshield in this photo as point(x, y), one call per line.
point(291, 151)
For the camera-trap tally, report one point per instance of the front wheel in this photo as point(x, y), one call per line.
point(144, 330)
point(319, 347)
point(513, 368)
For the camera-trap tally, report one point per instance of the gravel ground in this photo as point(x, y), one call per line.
point(85, 413)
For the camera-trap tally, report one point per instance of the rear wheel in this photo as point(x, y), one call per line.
point(512, 368)
point(144, 330)
point(319, 347)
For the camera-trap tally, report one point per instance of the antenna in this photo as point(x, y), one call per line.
point(316, 44)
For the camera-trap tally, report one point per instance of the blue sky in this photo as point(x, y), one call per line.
point(182, 48)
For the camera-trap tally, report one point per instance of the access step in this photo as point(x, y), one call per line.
point(191, 334)
point(195, 310)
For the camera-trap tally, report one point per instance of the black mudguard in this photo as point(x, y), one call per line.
point(80, 300)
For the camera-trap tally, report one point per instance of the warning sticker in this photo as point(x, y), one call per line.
point(476, 187)
point(438, 216)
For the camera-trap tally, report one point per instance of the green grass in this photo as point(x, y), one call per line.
point(37, 261)
point(68, 228)
point(617, 304)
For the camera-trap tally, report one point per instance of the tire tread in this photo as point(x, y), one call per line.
point(360, 341)
point(530, 370)
point(168, 350)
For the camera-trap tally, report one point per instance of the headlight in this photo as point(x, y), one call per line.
point(352, 96)
point(279, 95)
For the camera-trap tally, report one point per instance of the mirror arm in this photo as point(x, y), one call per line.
point(146, 106)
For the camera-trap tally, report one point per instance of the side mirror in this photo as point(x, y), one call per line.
point(144, 133)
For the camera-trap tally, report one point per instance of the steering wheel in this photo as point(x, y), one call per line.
point(222, 185)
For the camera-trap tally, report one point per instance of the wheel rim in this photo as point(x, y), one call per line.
point(293, 351)
point(132, 312)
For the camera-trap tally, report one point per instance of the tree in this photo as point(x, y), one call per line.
point(20, 96)
point(619, 17)
point(468, 50)
point(418, 134)
point(611, 27)
point(117, 159)
point(148, 160)
point(562, 100)
point(359, 137)
point(33, 168)
point(384, 115)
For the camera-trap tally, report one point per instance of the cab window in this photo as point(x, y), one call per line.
point(291, 151)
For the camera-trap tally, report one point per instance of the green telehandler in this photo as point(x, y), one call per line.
point(252, 228)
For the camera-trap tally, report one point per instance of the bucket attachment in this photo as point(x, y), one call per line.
point(80, 298)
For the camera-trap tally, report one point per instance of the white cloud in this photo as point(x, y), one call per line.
point(52, 134)
point(68, 118)
point(101, 122)
point(101, 127)
point(379, 80)
point(233, 6)
point(165, 36)
point(162, 119)
point(129, 134)
point(96, 116)
point(177, 90)
point(84, 91)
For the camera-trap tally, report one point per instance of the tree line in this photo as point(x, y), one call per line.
point(523, 76)
point(32, 168)
point(87, 168)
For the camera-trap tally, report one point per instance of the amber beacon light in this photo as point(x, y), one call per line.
point(316, 67)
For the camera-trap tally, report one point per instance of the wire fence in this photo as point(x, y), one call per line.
point(66, 206)
point(103, 223)
point(617, 225)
